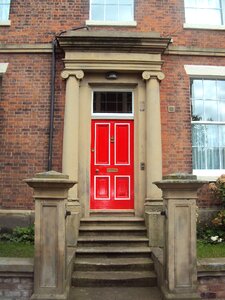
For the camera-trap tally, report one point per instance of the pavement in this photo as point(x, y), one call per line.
point(115, 293)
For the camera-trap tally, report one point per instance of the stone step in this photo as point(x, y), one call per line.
point(113, 230)
point(114, 221)
point(114, 278)
point(110, 249)
point(129, 241)
point(113, 264)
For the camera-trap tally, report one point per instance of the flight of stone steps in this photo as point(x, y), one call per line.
point(113, 251)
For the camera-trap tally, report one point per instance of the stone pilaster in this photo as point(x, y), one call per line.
point(153, 201)
point(71, 127)
point(153, 134)
point(70, 161)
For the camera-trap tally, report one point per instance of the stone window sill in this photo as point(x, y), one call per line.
point(204, 26)
point(111, 23)
point(209, 175)
point(5, 23)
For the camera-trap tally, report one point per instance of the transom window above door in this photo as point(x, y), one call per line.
point(112, 10)
point(112, 103)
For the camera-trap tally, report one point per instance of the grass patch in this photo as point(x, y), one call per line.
point(16, 250)
point(205, 250)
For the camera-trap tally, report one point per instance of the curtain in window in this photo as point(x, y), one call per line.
point(208, 143)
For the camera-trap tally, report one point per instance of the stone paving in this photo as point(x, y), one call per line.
point(115, 293)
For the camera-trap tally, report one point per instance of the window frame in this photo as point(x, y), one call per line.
point(6, 22)
point(112, 115)
point(213, 73)
point(90, 22)
point(207, 26)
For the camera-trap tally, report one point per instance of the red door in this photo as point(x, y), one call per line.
point(112, 164)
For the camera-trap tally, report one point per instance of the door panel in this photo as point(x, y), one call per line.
point(112, 164)
point(102, 144)
point(122, 143)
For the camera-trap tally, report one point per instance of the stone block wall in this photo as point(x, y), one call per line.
point(16, 287)
point(16, 278)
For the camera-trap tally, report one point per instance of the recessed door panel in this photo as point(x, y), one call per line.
point(102, 144)
point(122, 143)
point(112, 164)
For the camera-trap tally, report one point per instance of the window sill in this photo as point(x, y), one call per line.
point(209, 175)
point(5, 23)
point(204, 26)
point(111, 23)
point(3, 68)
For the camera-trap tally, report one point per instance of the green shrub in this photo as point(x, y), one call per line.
point(18, 235)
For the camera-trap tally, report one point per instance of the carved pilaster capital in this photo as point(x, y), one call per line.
point(79, 74)
point(146, 75)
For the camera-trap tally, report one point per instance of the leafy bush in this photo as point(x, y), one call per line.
point(18, 235)
point(218, 188)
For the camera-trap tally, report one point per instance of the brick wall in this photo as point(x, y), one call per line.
point(166, 17)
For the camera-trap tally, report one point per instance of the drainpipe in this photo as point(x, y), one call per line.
point(52, 104)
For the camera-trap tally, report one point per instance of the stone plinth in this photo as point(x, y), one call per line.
point(50, 270)
point(180, 267)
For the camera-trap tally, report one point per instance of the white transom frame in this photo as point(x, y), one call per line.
point(112, 115)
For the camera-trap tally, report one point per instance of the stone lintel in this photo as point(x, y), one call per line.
point(113, 42)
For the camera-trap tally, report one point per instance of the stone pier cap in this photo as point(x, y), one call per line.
point(180, 181)
point(50, 180)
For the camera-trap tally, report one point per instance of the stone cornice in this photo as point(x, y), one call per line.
point(171, 50)
point(111, 41)
point(25, 48)
point(195, 51)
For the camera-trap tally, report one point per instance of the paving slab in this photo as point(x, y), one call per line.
point(115, 293)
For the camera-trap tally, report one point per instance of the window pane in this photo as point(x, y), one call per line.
point(221, 89)
point(112, 102)
point(198, 110)
point(221, 111)
point(209, 89)
point(126, 13)
point(211, 111)
point(97, 13)
point(203, 12)
point(4, 10)
point(197, 89)
point(111, 13)
point(112, 10)
point(98, 2)
point(213, 158)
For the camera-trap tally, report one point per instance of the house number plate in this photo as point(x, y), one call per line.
point(112, 170)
